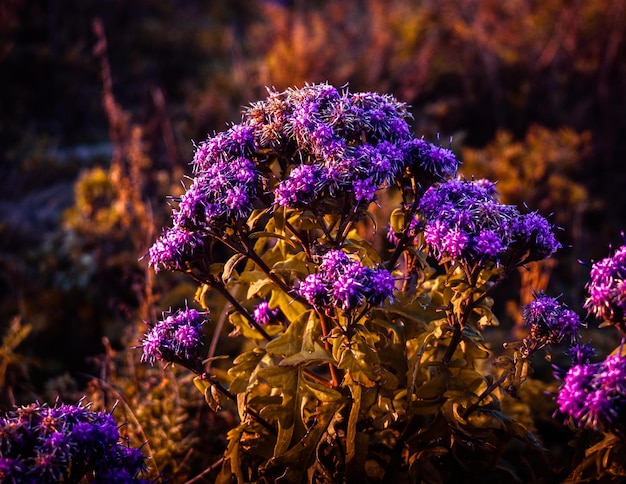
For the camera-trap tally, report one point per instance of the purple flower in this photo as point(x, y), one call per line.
point(594, 394)
point(173, 249)
point(176, 338)
point(381, 286)
point(581, 354)
point(263, 314)
point(304, 184)
point(534, 234)
point(11, 470)
point(348, 288)
point(314, 290)
point(606, 288)
point(488, 244)
point(346, 283)
point(186, 338)
point(364, 191)
point(464, 222)
point(81, 445)
point(429, 161)
point(549, 322)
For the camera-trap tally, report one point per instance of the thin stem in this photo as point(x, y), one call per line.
point(486, 393)
point(454, 342)
point(254, 257)
point(406, 235)
point(206, 471)
point(231, 299)
point(213, 282)
point(331, 366)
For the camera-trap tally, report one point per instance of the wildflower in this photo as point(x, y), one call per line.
point(606, 288)
point(313, 290)
point(303, 185)
point(429, 161)
point(464, 222)
point(549, 322)
point(177, 338)
point(381, 286)
point(346, 283)
point(534, 234)
point(263, 314)
point(82, 444)
point(173, 249)
point(594, 394)
point(581, 353)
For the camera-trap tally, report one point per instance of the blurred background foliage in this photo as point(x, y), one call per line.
point(100, 102)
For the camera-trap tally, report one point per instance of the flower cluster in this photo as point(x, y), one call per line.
point(346, 283)
point(177, 338)
point(330, 143)
point(549, 322)
point(464, 222)
point(221, 194)
point(607, 288)
point(174, 249)
point(346, 142)
point(263, 314)
point(594, 394)
point(65, 443)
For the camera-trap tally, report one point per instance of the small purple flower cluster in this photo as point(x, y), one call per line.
point(344, 282)
point(177, 338)
point(607, 288)
point(464, 222)
point(65, 443)
point(221, 194)
point(263, 314)
point(594, 394)
point(173, 249)
point(549, 322)
point(348, 142)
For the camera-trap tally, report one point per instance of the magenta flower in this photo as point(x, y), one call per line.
point(177, 338)
point(594, 394)
point(65, 443)
point(606, 288)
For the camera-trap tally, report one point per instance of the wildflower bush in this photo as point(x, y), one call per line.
point(65, 443)
point(357, 271)
point(363, 357)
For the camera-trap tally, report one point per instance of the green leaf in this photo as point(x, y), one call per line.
point(292, 466)
point(396, 220)
point(229, 266)
point(259, 235)
point(321, 392)
point(257, 287)
point(289, 306)
point(255, 216)
point(243, 367)
point(243, 325)
point(358, 359)
point(353, 419)
point(317, 354)
point(290, 342)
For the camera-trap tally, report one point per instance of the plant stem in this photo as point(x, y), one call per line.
point(331, 367)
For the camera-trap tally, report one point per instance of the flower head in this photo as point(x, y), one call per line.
point(549, 322)
point(173, 249)
point(464, 222)
point(263, 314)
point(80, 440)
point(594, 394)
point(606, 288)
point(346, 283)
point(177, 337)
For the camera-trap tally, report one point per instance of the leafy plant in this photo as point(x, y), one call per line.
point(360, 363)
